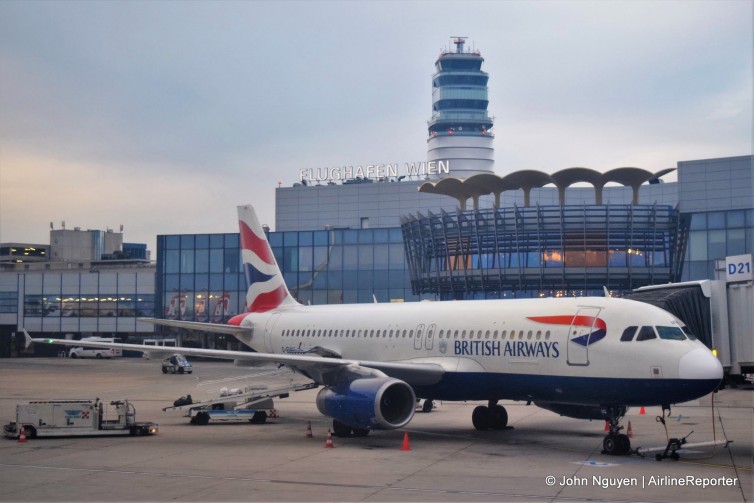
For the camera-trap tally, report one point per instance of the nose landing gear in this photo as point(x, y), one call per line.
point(615, 442)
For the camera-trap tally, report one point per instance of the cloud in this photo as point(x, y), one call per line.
point(163, 116)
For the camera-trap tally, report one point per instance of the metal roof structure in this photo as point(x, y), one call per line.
point(486, 183)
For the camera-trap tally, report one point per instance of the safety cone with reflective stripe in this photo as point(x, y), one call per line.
point(309, 430)
point(629, 431)
point(406, 446)
point(642, 411)
point(22, 436)
point(328, 442)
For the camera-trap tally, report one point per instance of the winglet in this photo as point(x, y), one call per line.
point(607, 292)
point(28, 341)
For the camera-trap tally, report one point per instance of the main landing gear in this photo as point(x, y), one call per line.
point(616, 443)
point(493, 416)
point(344, 431)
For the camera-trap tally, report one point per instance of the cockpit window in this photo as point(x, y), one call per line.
point(671, 333)
point(646, 333)
point(628, 334)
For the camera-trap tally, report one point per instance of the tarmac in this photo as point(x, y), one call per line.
point(541, 457)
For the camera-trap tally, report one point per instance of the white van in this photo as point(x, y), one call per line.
point(82, 352)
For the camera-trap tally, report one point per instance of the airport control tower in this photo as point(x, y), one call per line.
point(460, 128)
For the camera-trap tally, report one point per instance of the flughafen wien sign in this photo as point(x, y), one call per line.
point(418, 169)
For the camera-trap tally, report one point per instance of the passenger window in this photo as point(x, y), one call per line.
point(494, 335)
point(628, 334)
point(528, 335)
point(646, 333)
point(539, 334)
point(547, 335)
point(463, 334)
point(671, 333)
point(487, 334)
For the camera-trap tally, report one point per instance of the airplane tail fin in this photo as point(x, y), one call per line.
point(267, 288)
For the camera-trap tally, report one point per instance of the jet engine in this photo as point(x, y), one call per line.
point(580, 411)
point(369, 403)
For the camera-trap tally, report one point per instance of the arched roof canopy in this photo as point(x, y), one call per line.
point(656, 177)
point(569, 176)
point(486, 183)
point(627, 176)
point(449, 186)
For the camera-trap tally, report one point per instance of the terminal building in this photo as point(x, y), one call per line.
point(447, 228)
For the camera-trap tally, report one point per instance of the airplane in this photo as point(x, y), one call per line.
point(581, 357)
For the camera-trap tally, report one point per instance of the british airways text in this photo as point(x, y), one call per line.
point(511, 348)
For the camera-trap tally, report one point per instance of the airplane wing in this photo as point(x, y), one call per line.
point(322, 370)
point(194, 325)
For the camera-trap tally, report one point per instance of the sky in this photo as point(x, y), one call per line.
point(163, 116)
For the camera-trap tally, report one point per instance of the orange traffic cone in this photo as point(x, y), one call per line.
point(405, 447)
point(642, 411)
point(22, 436)
point(629, 431)
point(328, 442)
point(309, 430)
point(607, 426)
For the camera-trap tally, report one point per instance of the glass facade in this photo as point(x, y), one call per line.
point(543, 250)
point(713, 236)
point(91, 301)
point(199, 277)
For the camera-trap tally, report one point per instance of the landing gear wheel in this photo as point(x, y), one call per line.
point(610, 445)
point(340, 430)
point(624, 443)
point(498, 417)
point(259, 417)
point(616, 445)
point(480, 418)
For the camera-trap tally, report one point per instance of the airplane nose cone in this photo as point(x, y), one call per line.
point(700, 364)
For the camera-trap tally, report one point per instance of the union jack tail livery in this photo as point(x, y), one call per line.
point(267, 290)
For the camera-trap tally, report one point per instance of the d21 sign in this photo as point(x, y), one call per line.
point(739, 268)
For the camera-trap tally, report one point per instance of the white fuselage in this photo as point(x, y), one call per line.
point(530, 345)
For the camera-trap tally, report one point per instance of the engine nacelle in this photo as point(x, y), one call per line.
point(580, 411)
point(369, 403)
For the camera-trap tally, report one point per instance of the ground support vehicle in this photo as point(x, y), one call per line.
point(69, 418)
point(253, 403)
point(176, 364)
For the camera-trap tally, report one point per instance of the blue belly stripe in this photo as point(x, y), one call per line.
point(456, 386)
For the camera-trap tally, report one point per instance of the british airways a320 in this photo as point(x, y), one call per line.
point(588, 357)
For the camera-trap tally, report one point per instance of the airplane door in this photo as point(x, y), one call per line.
point(268, 332)
point(419, 337)
point(579, 334)
point(429, 338)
